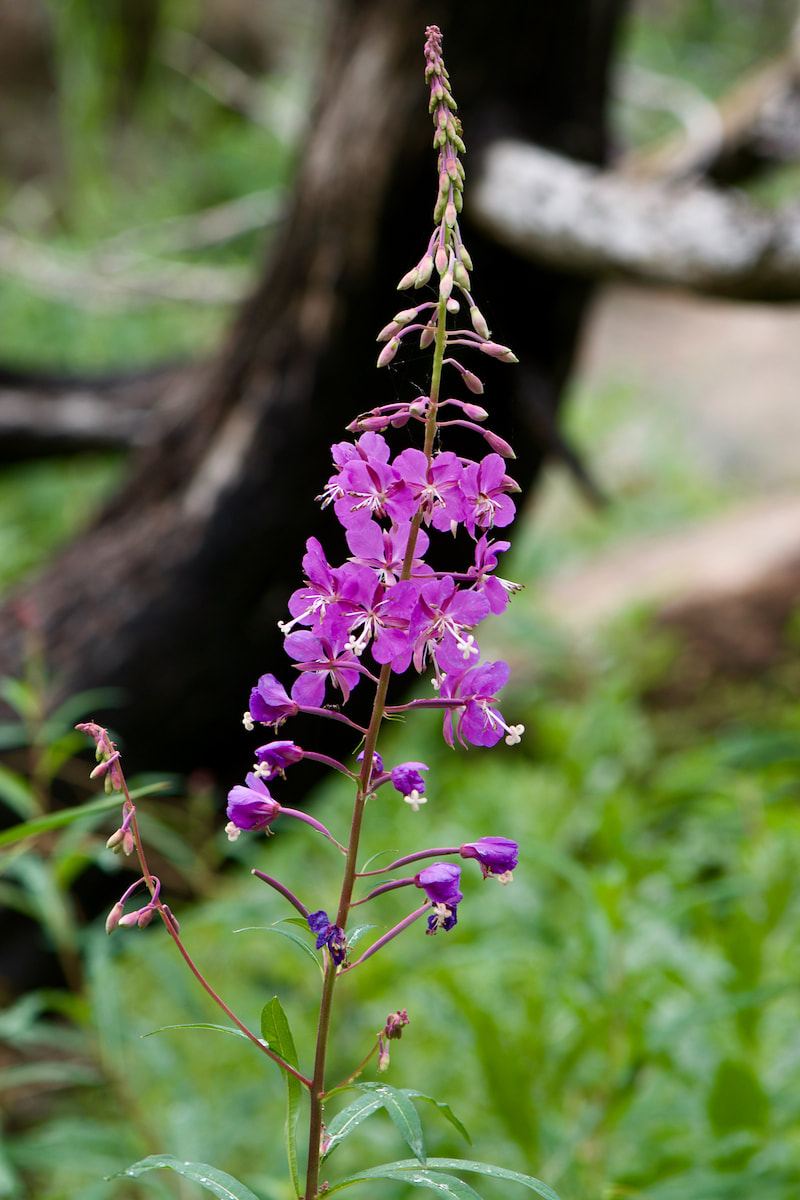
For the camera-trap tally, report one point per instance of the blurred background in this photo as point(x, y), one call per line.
point(622, 1021)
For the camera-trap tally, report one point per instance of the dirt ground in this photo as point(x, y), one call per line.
point(729, 375)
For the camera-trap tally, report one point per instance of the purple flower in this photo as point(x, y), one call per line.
point(377, 762)
point(372, 487)
point(408, 781)
point(332, 936)
point(436, 485)
point(496, 855)
point(270, 703)
point(479, 722)
point(440, 883)
point(440, 621)
point(497, 591)
point(383, 550)
point(484, 485)
point(251, 807)
point(275, 757)
point(318, 659)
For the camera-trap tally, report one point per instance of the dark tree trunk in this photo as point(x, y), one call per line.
point(174, 594)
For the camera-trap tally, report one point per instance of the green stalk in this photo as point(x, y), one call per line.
point(317, 1090)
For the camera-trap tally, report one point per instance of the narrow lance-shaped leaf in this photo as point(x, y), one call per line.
point(276, 1032)
point(349, 1119)
point(402, 1112)
point(406, 1167)
point(220, 1184)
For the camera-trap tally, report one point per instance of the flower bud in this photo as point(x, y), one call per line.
point(466, 259)
point(446, 285)
point(450, 214)
point(372, 424)
point(389, 331)
point(419, 407)
point(479, 322)
point(500, 446)
point(406, 315)
point(473, 383)
point(458, 199)
point(495, 350)
point(388, 352)
point(474, 412)
point(427, 336)
point(453, 306)
point(113, 918)
point(461, 276)
point(424, 271)
point(509, 484)
point(407, 280)
point(442, 259)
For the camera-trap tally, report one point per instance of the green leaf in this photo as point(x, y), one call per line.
point(349, 1119)
point(402, 1112)
point(287, 933)
point(276, 1032)
point(444, 1109)
point(358, 932)
point(66, 816)
point(407, 1165)
point(224, 1186)
point(16, 791)
point(737, 1099)
point(436, 1181)
point(199, 1025)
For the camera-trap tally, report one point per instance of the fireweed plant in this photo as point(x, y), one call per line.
point(385, 610)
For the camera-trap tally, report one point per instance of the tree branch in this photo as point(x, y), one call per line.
point(593, 222)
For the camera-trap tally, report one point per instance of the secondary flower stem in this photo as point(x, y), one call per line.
point(387, 937)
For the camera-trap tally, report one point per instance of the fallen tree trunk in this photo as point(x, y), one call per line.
point(174, 593)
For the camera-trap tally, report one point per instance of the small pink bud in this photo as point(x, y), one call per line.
point(406, 315)
point(495, 350)
point(453, 306)
point(451, 167)
point(172, 918)
point(389, 331)
point(479, 323)
point(388, 352)
point(427, 336)
point(408, 279)
point(510, 484)
point(450, 214)
point(373, 424)
point(474, 412)
point(400, 419)
point(419, 407)
point(442, 259)
point(473, 383)
point(461, 276)
point(446, 285)
point(424, 271)
point(145, 916)
point(500, 446)
point(129, 920)
point(113, 918)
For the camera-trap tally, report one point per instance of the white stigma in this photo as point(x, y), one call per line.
point(415, 800)
point(247, 721)
point(514, 735)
